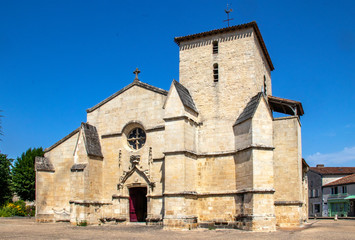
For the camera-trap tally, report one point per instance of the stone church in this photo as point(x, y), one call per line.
point(207, 152)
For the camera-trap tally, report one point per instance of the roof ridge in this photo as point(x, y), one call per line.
point(340, 180)
point(333, 170)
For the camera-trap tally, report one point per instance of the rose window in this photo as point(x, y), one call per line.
point(136, 138)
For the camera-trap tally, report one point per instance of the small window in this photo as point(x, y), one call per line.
point(215, 47)
point(344, 189)
point(316, 208)
point(215, 72)
point(334, 190)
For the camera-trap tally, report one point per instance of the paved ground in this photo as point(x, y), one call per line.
point(28, 229)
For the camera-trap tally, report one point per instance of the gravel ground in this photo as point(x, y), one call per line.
point(24, 228)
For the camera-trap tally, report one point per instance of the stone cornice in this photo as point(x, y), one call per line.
point(89, 202)
point(288, 203)
point(116, 196)
point(220, 193)
point(119, 134)
point(256, 147)
point(111, 135)
point(219, 154)
point(155, 129)
point(177, 118)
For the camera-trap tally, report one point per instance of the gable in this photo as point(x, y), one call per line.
point(179, 101)
point(135, 83)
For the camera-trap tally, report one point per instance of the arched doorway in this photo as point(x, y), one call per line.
point(137, 204)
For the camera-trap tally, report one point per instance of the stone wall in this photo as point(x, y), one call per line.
point(53, 189)
point(289, 201)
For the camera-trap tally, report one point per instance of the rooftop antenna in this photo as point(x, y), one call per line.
point(228, 10)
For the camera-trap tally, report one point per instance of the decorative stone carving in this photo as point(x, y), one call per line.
point(135, 167)
point(135, 159)
point(119, 159)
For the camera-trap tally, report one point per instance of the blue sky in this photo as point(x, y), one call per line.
point(58, 58)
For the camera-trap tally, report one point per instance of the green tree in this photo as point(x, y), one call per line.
point(23, 174)
point(5, 178)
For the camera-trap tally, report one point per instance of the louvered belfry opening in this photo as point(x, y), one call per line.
point(215, 47)
point(215, 72)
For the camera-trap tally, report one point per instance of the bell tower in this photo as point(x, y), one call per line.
point(223, 69)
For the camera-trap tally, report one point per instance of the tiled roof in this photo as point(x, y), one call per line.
point(333, 170)
point(283, 105)
point(134, 83)
point(342, 181)
point(250, 109)
point(92, 141)
point(78, 167)
point(253, 25)
point(185, 96)
point(43, 164)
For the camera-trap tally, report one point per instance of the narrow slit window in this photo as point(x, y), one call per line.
point(215, 72)
point(215, 47)
point(265, 87)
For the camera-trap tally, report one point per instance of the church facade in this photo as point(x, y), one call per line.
point(208, 152)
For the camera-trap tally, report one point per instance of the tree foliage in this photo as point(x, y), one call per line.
point(5, 178)
point(23, 174)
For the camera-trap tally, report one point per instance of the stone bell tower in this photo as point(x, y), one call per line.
point(223, 69)
point(228, 75)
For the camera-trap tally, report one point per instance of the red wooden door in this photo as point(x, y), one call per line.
point(132, 210)
point(138, 204)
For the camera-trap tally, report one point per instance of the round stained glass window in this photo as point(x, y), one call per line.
point(136, 138)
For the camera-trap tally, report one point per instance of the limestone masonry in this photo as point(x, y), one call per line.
point(206, 153)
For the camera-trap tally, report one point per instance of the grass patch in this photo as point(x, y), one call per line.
point(83, 223)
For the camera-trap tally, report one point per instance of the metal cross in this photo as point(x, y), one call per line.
point(136, 72)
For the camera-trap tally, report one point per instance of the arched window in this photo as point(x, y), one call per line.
point(215, 72)
point(215, 47)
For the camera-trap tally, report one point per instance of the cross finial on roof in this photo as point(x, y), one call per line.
point(136, 72)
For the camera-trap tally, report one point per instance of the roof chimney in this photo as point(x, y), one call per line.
point(320, 165)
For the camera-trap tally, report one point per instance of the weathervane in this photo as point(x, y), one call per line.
point(228, 10)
